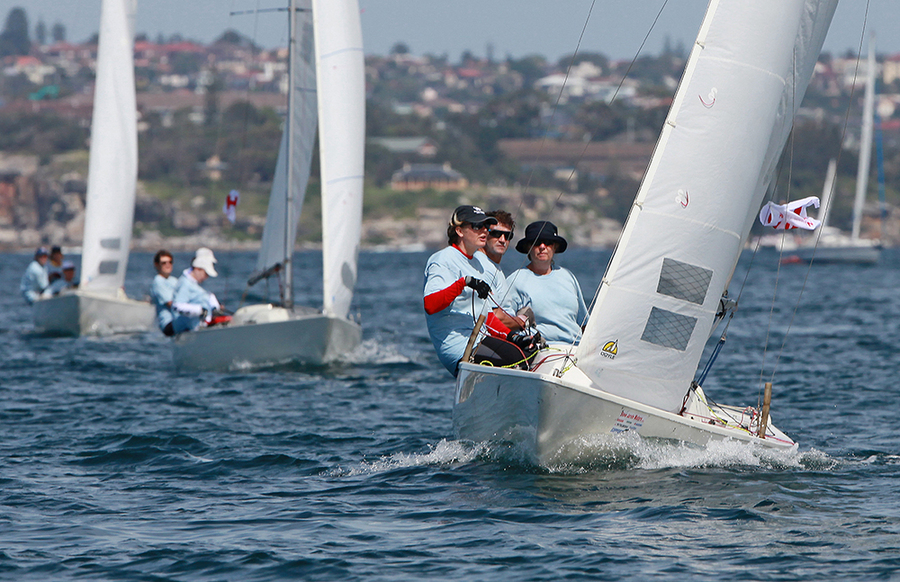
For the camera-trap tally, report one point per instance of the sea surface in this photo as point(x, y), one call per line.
point(114, 467)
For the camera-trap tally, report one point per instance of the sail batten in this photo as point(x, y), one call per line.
point(112, 168)
point(708, 175)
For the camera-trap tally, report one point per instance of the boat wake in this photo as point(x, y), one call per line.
point(442, 453)
point(372, 351)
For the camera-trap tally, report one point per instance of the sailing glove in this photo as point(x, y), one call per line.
point(480, 287)
point(529, 341)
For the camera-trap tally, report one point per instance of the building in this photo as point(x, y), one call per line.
point(415, 177)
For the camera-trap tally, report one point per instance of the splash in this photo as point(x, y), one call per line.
point(372, 351)
point(443, 453)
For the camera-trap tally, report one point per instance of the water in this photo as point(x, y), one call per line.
point(113, 467)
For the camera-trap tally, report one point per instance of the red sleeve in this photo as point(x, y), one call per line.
point(441, 300)
point(496, 327)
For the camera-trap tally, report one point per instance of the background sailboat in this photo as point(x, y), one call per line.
point(328, 85)
point(665, 288)
point(831, 245)
point(100, 305)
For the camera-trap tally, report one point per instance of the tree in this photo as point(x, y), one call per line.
point(14, 40)
point(58, 32)
point(400, 48)
point(40, 33)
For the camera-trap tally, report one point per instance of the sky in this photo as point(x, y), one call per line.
point(550, 28)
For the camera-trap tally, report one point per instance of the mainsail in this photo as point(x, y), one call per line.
point(300, 126)
point(341, 81)
point(865, 142)
point(714, 161)
point(112, 170)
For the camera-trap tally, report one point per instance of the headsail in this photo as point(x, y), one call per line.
point(279, 237)
point(342, 110)
point(112, 169)
point(715, 158)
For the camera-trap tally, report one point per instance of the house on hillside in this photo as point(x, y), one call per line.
point(415, 177)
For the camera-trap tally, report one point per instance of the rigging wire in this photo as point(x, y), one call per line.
point(818, 234)
point(587, 143)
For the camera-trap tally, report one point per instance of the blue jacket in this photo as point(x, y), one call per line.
point(34, 281)
point(162, 293)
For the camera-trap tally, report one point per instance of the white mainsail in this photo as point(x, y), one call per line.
point(278, 237)
point(733, 110)
point(112, 170)
point(341, 82)
point(865, 142)
point(828, 191)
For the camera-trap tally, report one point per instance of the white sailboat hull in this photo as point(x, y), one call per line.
point(251, 342)
point(82, 312)
point(547, 417)
point(860, 254)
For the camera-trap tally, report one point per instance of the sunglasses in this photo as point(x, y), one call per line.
point(165, 262)
point(507, 234)
point(478, 225)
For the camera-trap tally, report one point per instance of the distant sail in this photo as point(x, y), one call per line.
point(112, 169)
point(342, 121)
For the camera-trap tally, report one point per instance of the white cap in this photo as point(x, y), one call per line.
point(204, 252)
point(207, 263)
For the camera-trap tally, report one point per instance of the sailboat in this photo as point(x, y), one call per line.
point(833, 245)
point(665, 289)
point(99, 306)
point(327, 85)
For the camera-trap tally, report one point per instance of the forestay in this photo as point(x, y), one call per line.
point(341, 82)
point(278, 237)
point(715, 158)
point(112, 170)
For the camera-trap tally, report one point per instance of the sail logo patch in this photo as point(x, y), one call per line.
point(610, 349)
point(628, 420)
point(683, 198)
point(710, 99)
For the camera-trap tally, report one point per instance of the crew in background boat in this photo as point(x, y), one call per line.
point(34, 280)
point(192, 303)
point(55, 265)
point(162, 291)
point(553, 293)
point(66, 281)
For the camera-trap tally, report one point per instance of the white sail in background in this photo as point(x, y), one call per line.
point(278, 238)
point(715, 158)
point(865, 142)
point(828, 191)
point(112, 170)
point(342, 110)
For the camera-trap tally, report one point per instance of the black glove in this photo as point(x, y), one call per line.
point(203, 313)
point(527, 341)
point(480, 287)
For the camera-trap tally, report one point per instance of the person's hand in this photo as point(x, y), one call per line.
point(526, 340)
point(480, 287)
point(203, 313)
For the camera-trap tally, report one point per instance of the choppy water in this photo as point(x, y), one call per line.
point(112, 467)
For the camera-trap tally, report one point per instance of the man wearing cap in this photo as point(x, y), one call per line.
point(552, 292)
point(191, 302)
point(162, 291)
point(455, 285)
point(34, 281)
point(66, 281)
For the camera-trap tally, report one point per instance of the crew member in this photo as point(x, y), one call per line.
point(34, 280)
point(192, 303)
point(162, 291)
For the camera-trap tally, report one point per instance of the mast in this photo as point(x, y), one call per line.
point(289, 234)
point(865, 141)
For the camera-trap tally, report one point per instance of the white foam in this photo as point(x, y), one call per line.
point(371, 351)
point(443, 453)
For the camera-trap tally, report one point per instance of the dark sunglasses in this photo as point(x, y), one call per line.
point(478, 225)
point(494, 233)
point(166, 262)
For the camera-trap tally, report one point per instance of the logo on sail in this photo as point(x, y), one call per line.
point(683, 198)
point(710, 99)
point(610, 349)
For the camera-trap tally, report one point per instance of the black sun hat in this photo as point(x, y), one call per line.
point(542, 230)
